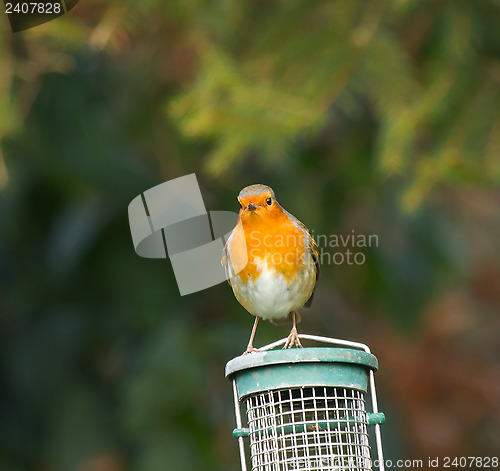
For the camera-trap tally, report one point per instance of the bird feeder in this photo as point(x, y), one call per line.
point(305, 407)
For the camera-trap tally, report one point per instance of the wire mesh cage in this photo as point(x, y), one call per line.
point(305, 407)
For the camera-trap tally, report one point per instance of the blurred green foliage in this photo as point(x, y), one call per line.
point(378, 117)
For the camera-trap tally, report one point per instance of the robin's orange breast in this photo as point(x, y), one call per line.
point(273, 240)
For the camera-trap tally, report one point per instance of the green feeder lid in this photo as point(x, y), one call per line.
point(299, 367)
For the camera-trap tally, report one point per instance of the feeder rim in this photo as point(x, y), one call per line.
point(301, 355)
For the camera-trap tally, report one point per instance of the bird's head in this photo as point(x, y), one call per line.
point(257, 200)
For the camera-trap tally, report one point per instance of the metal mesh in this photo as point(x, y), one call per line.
point(312, 428)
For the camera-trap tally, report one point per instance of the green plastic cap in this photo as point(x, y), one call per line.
point(301, 367)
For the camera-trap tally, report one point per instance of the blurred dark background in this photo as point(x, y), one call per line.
point(378, 117)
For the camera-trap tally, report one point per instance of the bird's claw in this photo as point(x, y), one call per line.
point(293, 339)
point(250, 349)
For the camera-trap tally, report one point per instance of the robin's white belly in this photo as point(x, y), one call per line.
point(270, 295)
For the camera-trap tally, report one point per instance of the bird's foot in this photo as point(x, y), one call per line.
point(293, 339)
point(250, 349)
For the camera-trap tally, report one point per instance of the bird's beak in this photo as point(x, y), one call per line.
point(251, 207)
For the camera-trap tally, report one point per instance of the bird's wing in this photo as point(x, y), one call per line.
point(312, 248)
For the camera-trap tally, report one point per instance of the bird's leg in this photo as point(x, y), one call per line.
point(293, 338)
point(250, 347)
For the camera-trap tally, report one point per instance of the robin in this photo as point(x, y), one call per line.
point(271, 260)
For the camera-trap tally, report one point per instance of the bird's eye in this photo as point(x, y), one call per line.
point(269, 201)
